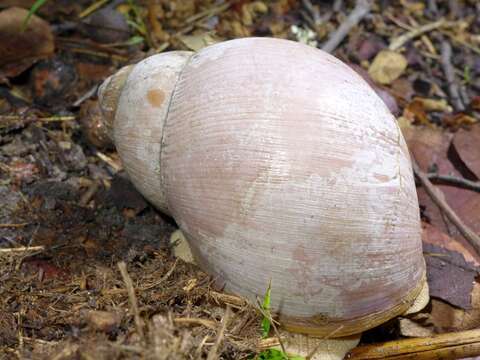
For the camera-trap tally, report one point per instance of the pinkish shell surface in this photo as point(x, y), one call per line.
point(281, 164)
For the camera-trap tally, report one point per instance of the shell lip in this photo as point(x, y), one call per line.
point(334, 328)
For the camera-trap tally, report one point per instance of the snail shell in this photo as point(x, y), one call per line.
point(281, 164)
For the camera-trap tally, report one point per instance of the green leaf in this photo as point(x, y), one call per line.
point(134, 40)
point(274, 354)
point(36, 5)
point(266, 307)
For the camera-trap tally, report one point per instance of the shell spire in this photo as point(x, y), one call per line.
point(135, 103)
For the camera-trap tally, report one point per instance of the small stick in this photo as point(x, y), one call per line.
point(437, 196)
point(88, 195)
point(109, 161)
point(91, 92)
point(196, 321)
point(456, 181)
point(92, 8)
point(231, 300)
point(13, 225)
point(212, 354)
point(398, 42)
point(313, 11)
point(22, 249)
point(449, 71)
point(362, 8)
point(133, 299)
point(445, 346)
point(162, 279)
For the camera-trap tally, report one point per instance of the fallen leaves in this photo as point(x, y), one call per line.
point(19, 47)
point(466, 144)
point(387, 66)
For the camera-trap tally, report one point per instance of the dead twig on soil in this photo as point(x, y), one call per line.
point(212, 354)
point(455, 181)
point(132, 298)
point(22, 249)
point(446, 55)
point(162, 279)
point(401, 40)
point(445, 346)
point(88, 195)
point(196, 321)
point(13, 225)
point(438, 198)
point(109, 161)
point(362, 8)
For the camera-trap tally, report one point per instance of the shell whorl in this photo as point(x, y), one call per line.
point(135, 103)
point(108, 95)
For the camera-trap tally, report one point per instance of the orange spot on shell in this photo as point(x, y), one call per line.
point(155, 97)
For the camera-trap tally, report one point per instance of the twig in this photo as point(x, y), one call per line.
point(398, 42)
point(337, 5)
point(315, 349)
point(450, 76)
point(92, 8)
point(22, 249)
point(231, 300)
point(212, 354)
point(313, 11)
point(437, 196)
point(87, 196)
point(361, 9)
point(91, 92)
point(13, 225)
point(109, 161)
point(208, 13)
point(455, 181)
point(132, 298)
point(196, 321)
point(445, 346)
point(162, 279)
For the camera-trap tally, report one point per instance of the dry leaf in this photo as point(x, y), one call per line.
point(467, 145)
point(430, 147)
point(199, 41)
point(432, 235)
point(412, 328)
point(450, 277)
point(387, 66)
point(20, 48)
point(445, 317)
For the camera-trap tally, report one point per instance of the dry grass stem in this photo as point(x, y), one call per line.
point(132, 298)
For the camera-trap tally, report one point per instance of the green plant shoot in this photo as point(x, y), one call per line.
point(266, 307)
point(36, 5)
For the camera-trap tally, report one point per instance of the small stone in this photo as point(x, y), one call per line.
point(104, 321)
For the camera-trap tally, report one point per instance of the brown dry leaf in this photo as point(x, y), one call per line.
point(467, 144)
point(413, 328)
point(199, 41)
point(445, 318)
point(457, 120)
point(415, 112)
point(434, 104)
point(430, 147)
point(387, 66)
point(450, 277)
point(19, 48)
point(431, 235)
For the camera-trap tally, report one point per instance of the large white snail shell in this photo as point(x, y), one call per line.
point(280, 164)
